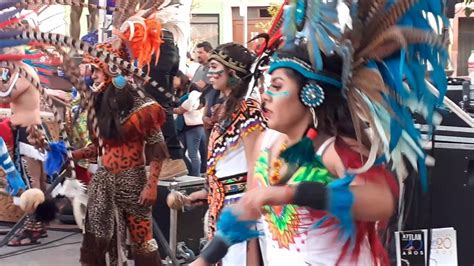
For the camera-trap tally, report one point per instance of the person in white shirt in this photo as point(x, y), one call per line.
point(190, 126)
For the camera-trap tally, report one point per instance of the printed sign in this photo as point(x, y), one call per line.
point(412, 247)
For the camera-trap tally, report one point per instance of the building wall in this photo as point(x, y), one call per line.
point(224, 8)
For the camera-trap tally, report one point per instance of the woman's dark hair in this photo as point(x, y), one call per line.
point(241, 55)
point(334, 117)
point(184, 84)
point(111, 106)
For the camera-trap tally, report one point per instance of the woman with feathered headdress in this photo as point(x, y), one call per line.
point(344, 101)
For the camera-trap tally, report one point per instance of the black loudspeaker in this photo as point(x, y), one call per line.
point(189, 221)
point(450, 196)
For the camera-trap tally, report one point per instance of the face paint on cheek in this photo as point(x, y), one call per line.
point(280, 94)
point(217, 73)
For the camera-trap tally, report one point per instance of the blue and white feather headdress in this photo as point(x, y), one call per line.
point(390, 52)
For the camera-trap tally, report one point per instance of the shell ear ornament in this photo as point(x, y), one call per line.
point(312, 95)
point(119, 81)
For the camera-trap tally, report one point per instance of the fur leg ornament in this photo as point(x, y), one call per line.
point(33, 201)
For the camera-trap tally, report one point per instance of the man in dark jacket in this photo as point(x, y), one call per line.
point(163, 73)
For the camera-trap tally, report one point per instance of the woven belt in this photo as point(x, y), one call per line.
point(234, 184)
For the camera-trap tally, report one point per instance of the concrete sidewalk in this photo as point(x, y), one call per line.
point(58, 249)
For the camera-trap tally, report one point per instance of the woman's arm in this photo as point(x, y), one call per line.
point(179, 110)
point(199, 262)
point(252, 144)
point(372, 201)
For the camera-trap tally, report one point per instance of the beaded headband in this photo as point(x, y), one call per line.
point(303, 68)
point(228, 61)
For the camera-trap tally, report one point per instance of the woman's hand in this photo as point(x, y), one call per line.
point(250, 206)
point(197, 198)
point(207, 122)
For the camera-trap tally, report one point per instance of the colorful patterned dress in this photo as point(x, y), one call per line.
point(227, 166)
point(291, 236)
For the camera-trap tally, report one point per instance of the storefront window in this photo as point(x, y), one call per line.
point(205, 27)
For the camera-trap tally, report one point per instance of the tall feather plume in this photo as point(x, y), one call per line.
point(393, 38)
point(118, 13)
point(115, 63)
point(386, 45)
point(130, 9)
point(78, 3)
point(369, 8)
point(277, 20)
point(385, 20)
point(289, 27)
point(397, 43)
point(359, 114)
point(370, 83)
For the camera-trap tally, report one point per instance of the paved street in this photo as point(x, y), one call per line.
point(58, 249)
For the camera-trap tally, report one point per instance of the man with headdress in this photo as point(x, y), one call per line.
point(24, 100)
point(126, 129)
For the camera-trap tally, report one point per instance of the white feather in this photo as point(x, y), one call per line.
point(72, 188)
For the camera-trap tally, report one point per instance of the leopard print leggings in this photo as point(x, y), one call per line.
point(112, 207)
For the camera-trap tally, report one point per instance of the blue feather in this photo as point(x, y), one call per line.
point(289, 27)
point(423, 173)
point(395, 134)
point(324, 41)
point(12, 43)
point(56, 158)
point(14, 181)
point(300, 11)
point(232, 230)
point(315, 52)
point(9, 34)
point(340, 202)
